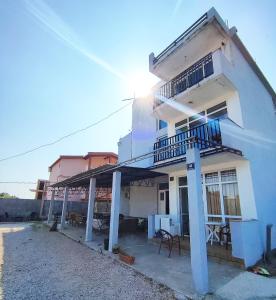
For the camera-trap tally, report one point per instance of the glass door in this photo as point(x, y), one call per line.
point(164, 203)
point(184, 205)
point(184, 210)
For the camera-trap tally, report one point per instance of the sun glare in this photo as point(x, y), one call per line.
point(140, 83)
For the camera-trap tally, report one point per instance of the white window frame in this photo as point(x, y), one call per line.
point(223, 216)
point(205, 116)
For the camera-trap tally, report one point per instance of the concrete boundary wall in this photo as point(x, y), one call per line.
point(19, 207)
point(24, 207)
point(72, 206)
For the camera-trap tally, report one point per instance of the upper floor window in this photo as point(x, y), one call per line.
point(162, 124)
point(218, 111)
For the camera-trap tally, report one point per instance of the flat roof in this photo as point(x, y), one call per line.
point(104, 175)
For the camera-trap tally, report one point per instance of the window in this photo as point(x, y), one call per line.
point(182, 181)
point(222, 195)
point(218, 111)
point(162, 124)
point(163, 186)
point(213, 200)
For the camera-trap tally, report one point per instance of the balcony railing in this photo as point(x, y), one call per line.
point(201, 20)
point(208, 135)
point(191, 76)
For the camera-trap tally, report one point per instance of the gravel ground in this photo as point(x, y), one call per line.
point(38, 264)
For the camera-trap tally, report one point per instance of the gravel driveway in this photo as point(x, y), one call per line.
point(38, 264)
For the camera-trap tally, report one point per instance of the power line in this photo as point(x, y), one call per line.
point(19, 182)
point(65, 136)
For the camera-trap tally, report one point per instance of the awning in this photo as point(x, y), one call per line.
point(104, 176)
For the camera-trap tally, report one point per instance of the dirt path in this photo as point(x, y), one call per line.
point(37, 264)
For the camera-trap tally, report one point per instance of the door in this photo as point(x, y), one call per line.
point(164, 203)
point(184, 210)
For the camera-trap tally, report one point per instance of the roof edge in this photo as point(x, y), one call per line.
point(247, 56)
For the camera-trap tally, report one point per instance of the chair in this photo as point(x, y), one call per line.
point(72, 219)
point(225, 234)
point(166, 237)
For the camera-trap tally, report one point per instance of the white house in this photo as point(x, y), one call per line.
point(202, 150)
point(210, 88)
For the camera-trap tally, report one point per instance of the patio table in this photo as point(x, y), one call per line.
point(212, 233)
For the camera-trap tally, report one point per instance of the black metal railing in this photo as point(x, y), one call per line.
point(191, 76)
point(208, 135)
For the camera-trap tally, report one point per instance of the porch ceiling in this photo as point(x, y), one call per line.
point(104, 176)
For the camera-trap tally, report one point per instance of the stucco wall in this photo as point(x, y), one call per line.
point(143, 201)
point(258, 139)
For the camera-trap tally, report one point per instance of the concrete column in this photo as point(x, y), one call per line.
point(90, 210)
point(64, 207)
point(115, 209)
point(50, 212)
point(197, 221)
point(41, 207)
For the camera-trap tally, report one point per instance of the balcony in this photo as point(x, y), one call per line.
point(204, 36)
point(208, 134)
point(207, 79)
point(190, 77)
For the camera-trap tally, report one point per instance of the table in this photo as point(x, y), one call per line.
point(212, 233)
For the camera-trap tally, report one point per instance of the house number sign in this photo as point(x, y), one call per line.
point(190, 166)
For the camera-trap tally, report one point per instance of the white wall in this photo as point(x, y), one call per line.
point(258, 139)
point(125, 148)
point(143, 201)
point(124, 204)
point(144, 133)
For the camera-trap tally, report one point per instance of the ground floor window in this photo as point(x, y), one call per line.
point(222, 195)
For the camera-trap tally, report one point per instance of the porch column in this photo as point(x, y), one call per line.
point(64, 207)
point(197, 221)
point(90, 210)
point(115, 209)
point(50, 212)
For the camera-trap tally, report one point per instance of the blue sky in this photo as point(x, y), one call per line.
point(64, 65)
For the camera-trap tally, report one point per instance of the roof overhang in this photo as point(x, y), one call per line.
point(104, 175)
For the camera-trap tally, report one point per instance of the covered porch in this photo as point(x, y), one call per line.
point(175, 272)
point(122, 176)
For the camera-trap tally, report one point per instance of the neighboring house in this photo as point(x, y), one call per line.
point(212, 89)
point(67, 166)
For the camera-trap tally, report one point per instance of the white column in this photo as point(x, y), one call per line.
point(115, 210)
point(90, 210)
point(50, 212)
point(64, 208)
point(197, 221)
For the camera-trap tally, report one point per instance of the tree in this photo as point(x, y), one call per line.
point(6, 195)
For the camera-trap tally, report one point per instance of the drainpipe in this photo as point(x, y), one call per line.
point(268, 242)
